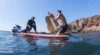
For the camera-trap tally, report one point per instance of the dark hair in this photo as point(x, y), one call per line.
point(59, 11)
point(48, 12)
point(33, 17)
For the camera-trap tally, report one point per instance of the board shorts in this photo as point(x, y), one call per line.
point(63, 28)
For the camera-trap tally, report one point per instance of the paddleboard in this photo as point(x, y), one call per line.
point(51, 24)
point(42, 35)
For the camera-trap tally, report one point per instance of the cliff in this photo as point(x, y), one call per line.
point(85, 24)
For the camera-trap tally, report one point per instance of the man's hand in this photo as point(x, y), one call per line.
point(55, 19)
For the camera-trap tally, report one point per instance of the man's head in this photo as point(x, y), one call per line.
point(33, 18)
point(49, 13)
point(59, 11)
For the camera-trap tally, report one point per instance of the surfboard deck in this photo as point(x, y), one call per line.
point(41, 35)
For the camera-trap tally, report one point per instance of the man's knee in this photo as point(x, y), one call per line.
point(28, 28)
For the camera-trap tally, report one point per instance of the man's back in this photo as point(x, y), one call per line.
point(31, 22)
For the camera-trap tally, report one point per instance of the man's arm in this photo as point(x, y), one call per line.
point(58, 15)
point(34, 23)
point(35, 27)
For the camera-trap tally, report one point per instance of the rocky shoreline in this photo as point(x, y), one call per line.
point(85, 24)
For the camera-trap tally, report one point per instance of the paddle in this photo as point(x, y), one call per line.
point(51, 24)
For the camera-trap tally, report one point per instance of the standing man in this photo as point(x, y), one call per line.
point(63, 23)
point(30, 24)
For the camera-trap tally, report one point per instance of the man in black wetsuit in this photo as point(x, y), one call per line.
point(30, 24)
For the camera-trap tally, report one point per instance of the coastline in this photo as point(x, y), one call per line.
point(85, 24)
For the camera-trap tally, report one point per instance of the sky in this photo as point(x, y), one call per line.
point(20, 11)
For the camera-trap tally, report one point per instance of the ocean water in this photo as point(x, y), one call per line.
point(79, 44)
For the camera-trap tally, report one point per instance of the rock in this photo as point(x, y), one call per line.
point(98, 28)
point(86, 24)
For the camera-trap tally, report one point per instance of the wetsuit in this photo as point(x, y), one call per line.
point(32, 24)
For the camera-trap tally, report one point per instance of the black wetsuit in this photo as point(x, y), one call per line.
point(32, 24)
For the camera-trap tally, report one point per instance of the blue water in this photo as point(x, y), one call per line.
point(78, 44)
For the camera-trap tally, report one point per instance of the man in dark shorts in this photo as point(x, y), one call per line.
point(30, 24)
point(63, 27)
point(63, 24)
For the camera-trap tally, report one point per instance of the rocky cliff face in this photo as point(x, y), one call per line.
point(86, 24)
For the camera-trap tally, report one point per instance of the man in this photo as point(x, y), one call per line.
point(18, 26)
point(63, 24)
point(30, 24)
point(63, 27)
point(50, 15)
point(16, 29)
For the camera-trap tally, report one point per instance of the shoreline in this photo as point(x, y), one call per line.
point(85, 24)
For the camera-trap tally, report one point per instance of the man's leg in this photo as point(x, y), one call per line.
point(27, 29)
point(62, 30)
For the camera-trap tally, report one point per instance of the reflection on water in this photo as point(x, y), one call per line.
point(56, 43)
point(88, 44)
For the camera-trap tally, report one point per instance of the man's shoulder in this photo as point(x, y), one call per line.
point(29, 19)
point(61, 14)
